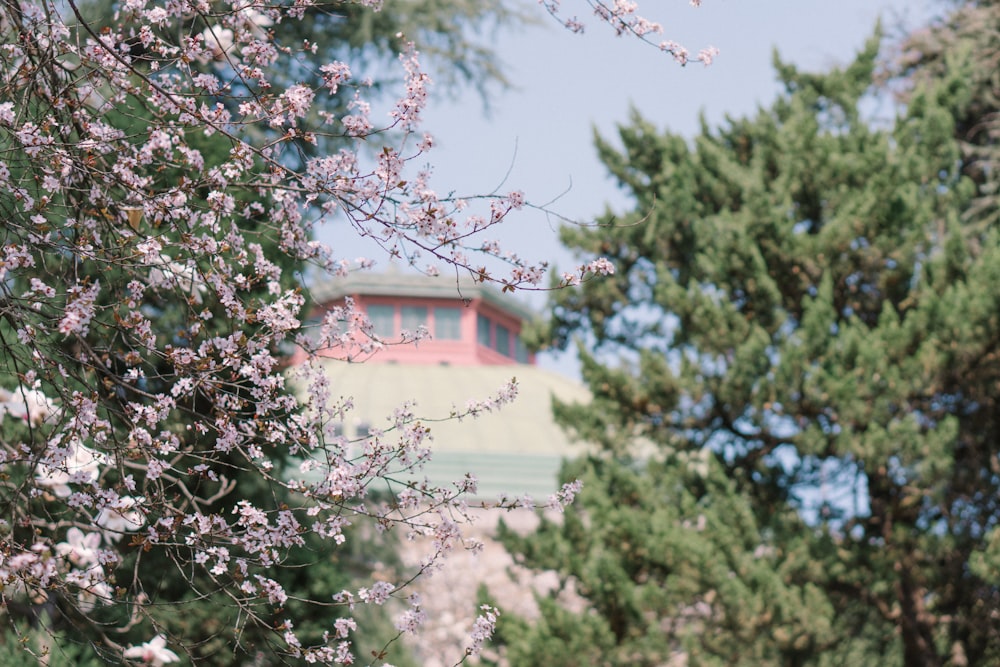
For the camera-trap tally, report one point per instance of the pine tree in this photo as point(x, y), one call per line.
point(973, 32)
point(795, 372)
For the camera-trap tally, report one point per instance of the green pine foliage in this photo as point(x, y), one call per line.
point(795, 374)
point(29, 648)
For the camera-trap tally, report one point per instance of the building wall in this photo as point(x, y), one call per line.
point(466, 350)
point(516, 448)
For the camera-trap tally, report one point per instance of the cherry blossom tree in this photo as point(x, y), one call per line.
point(163, 174)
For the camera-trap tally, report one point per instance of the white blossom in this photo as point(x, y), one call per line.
point(154, 652)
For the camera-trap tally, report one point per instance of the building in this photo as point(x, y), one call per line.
point(470, 324)
point(474, 348)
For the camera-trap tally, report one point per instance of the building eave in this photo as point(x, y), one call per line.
point(407, 285)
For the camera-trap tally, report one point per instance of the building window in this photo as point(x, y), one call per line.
point(520, 351)
point(503, 340)
point(383, 320)
point(447, 323)
point(414, 317)
point(483, 330)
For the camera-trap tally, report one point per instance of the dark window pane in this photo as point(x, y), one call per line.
point(414, 317)
point(382, 320)
point(447, 323)
point(503, 340)
point(520, 351)
point(483, 330)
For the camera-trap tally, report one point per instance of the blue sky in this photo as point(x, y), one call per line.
point(567, 85)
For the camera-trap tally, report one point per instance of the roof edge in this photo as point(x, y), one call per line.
point(395, 283)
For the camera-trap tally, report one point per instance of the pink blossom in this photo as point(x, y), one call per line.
point(15, 257)
point(409, 621)
point(334, 74)
point(79, 309)
point(707, 55)
point(377, 594)
point(344, 655)
point(344, 626)
point(275, 593)
point(565, 496)
point(297, 100)
point(483, 628)
point(601, 267)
